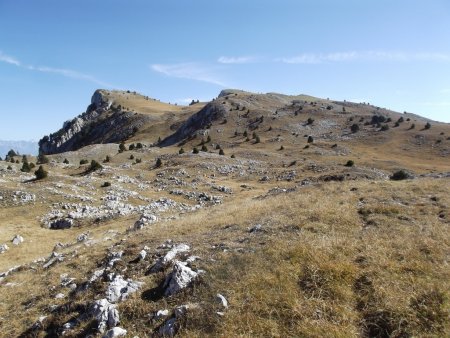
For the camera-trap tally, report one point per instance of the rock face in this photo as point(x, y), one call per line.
point(101, 123)
point(197, 123)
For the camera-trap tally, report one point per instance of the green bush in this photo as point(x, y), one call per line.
point(400, 175)
point(384, 127)
point(310, 139)
point(106, 184)
point(181, 151)
point(107, 159)
point(310, 120)
point(204, 148)
point(428, 125)
point(40, 173)
point(122, 147)
point(42, 159)
point(25, 167)
point(158, 163)
point(195, 150)
point(354, 128)
point(221, 152)
point(84, 162)
point(95, 166)
point(350, 163)
point(66, 161)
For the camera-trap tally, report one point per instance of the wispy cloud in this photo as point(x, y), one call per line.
point(317, 58)
point(9, 59)
point(236, 59)
point(69, 73)
point(191, 70)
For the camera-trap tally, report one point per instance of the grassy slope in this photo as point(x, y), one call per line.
point(330, 261)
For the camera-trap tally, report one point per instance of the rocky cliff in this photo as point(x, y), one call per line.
point(103, 122)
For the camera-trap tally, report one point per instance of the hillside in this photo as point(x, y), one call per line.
point(254, 215)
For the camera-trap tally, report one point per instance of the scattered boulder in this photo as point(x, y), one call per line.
point(144, 220)
point(83, 237)
point(256, 228)
point(169, 328)
point(53, 259)
point(222, 300)
point(119, 289)
point(180, 277)
point(169, 257)
point(3, 248)
point(105, 314)
point(17, 240)
point(60, 224)
point(115, 332)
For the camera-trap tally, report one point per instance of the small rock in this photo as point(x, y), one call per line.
point(161, 314)
point(60, 296)
point(115, 332)
point(169, 328)
point(3, 248)
point(17, 240)
point(142, 255)
point(83, 237)
point(256, 228)
point(222, 300)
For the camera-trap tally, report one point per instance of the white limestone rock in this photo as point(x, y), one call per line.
point(3, 248)
point(169, 257)
point(105, 313)
point(17, 240)
point(119, 289)
point(180, 277)
point(115, 332)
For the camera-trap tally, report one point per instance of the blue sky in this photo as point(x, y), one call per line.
point(54, 54)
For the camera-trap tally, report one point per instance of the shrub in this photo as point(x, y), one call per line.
point(350, 163)
point(42, 159)
point(354, 128)
point(233, 156)
point(400, 175)
point(384, 127)
point(195, 150)
point(310, 121)
point(181, 151)
point(427, 126)
point(131, 147)
point(204, 148)
point(40, 173)
point(412, 126)
point(257, 139)
point(107, 159)
point(25, 167)
point(281, 147)
point(221, 152)
point(310, 139)
point(245, 133)
point(106, 184)
point(32, 165)
point(138, 160)
point(401, 119)
point(158, 163)
point(306, 147)
point(122, 147)
point(9, 167)
point(66, 161)
point(139, 145)
point(84, 162)
point(95, 166)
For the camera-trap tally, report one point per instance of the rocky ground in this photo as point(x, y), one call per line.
point(281, 237)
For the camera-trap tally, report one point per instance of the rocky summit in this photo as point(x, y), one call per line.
point(249, 215)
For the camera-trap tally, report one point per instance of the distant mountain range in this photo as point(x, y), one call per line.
point(23, 147)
